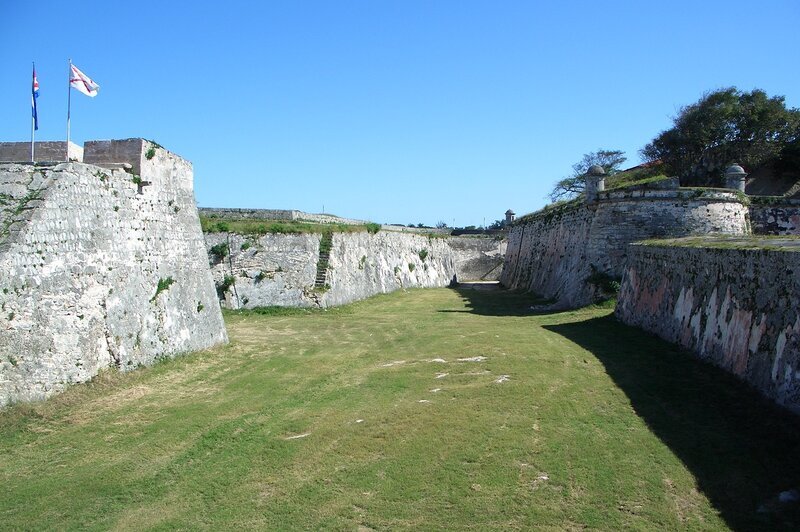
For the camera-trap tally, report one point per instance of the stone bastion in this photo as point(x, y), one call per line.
point(102, 265)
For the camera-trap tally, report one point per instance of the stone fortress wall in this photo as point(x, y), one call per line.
point(566, 254)
point(734, 307)
point(284, 269)
point(777, 216)
point(291, 215)
point(728, 298)
point(45, 151)
point(100, 266)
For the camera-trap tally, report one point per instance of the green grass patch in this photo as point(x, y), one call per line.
point(636, 177)
point(364, 417)
point(742, 242)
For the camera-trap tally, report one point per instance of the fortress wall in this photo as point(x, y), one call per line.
point(247, 214)
point(736, 308)
point(568, 253)
point(779, 219)
point(82, 254)
point(276, 214)
point(546, 255)
point(280, 269)
point(478, 258)
point(269, 270)
point(55, 150)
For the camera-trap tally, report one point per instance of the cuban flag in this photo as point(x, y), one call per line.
point(82, 82)
point(34, 97)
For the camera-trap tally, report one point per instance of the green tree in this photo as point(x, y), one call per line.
point(723, 127)
point(571, 186)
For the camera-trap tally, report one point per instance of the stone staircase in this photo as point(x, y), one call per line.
point(325, 244)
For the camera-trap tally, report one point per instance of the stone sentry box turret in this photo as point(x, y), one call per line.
point(595, 182)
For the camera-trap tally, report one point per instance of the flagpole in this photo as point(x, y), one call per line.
point(69, 102)
point(33, 119)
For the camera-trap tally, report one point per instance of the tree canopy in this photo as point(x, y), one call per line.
point(571, 186)
point(723, 127)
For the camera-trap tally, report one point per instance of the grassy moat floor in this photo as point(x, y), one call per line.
point(427, 409)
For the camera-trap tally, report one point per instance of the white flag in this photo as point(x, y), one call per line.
point(82, 82)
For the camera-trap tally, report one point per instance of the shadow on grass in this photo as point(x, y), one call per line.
point(489, 299)
point(742, 449)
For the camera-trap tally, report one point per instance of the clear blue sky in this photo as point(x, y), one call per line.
point(395, 111)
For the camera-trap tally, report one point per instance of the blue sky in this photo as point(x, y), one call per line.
point(393, 111)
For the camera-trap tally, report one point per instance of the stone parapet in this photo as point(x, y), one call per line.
point(45, 151)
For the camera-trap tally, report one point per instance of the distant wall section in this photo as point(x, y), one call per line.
point(573, 253)
point(276, 214)
point(283, 269)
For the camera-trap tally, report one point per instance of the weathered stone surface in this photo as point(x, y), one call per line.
point(563, 254)
point(280, 269)
point(82, 256)
point(736, 308)
point(779, 219)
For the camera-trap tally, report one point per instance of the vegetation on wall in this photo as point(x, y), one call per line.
point(219, 251)
point(264, 227)
point(163, 284)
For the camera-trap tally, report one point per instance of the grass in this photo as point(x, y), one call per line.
point(789, 243)
point(636, 177)
point(315, 419)
point(263, 227)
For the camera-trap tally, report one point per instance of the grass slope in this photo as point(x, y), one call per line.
point(346, 419)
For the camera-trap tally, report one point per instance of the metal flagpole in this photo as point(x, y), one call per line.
point(69, 102)
point(33, 119)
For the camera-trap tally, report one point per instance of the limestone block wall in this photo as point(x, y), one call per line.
point(478, 258)
point(96, 272)
point(267, 270)
point(281, 269)
point(547, 255)
point(776, 219)
point(566, 254)
point(626, 216)
point(55, 150)
point(736, 308)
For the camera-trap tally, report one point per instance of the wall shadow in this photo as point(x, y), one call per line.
point(742, 449)
point(492, 300)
